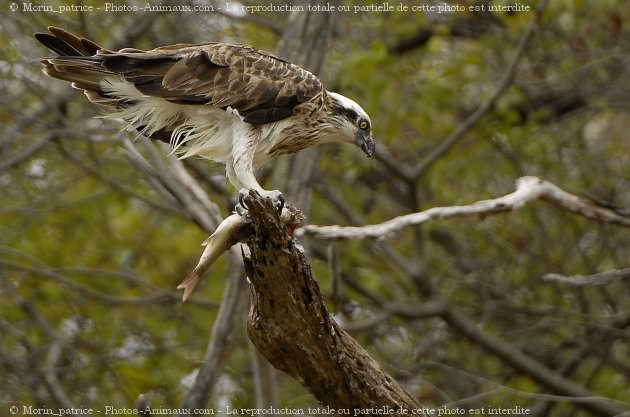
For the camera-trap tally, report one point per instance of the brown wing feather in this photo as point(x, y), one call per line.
point(261, 87)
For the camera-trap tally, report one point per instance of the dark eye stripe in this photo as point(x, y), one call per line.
point(351, 114)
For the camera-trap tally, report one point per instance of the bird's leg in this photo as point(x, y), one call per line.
point(241, 175)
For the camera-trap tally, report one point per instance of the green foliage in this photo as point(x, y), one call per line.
point(90, 251)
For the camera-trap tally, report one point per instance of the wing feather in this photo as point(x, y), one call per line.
point(260, 86)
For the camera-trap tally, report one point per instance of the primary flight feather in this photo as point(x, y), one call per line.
point(225, 102)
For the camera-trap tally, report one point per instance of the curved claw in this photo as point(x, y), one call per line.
point(280, 203)
point(241, 195)
point(241, 208)
point(275, 196)
point(243, 212)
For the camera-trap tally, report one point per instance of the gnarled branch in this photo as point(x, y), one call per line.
point(290, 326)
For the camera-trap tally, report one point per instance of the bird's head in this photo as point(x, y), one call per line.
point(350, 122)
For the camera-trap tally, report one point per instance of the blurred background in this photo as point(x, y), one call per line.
point(98, 227)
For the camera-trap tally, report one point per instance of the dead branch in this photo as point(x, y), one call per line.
point(601, 278)
point(527, 189)
point(290, 326)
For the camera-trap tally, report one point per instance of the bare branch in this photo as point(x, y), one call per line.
point(158, 295)
point(168, 177)
point(601, 278)
point(50, 372)
point(35, 316)
point(108, 179)
point(290, 325)
point(394, 164)
point(428, 309)
point(513, 356)
point(527, 189)
point(464, 402)
point(24, 154)
point(504, 83)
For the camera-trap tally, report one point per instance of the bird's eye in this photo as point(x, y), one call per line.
point(363, 124)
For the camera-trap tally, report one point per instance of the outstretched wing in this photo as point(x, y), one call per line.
point(261, 87)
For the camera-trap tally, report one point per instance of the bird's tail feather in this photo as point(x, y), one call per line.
point(82, 75)
point(66, 44)
point(77, 63)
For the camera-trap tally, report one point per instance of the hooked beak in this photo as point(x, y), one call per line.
point(365, 142)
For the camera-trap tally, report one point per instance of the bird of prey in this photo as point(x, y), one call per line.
point(225, 102)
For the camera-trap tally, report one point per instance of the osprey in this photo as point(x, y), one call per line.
point(226, 102)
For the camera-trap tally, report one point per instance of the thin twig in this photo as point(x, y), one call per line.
point(108, 179)
point(157, 296)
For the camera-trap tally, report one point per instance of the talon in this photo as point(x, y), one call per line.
point(243, 212)
point(241, 195)
point(275, 196)
point(280, 203)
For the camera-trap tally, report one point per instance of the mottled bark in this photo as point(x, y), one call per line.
point(291, 327)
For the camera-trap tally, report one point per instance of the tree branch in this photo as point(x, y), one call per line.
point(265, 381)
point(504, 83)
point(601, 278)
point(511, 355)
point(290, 326)
point(527, 189)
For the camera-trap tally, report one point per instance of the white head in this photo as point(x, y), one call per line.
point(352, 123)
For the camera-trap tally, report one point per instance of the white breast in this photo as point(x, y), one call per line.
point(198, 130)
